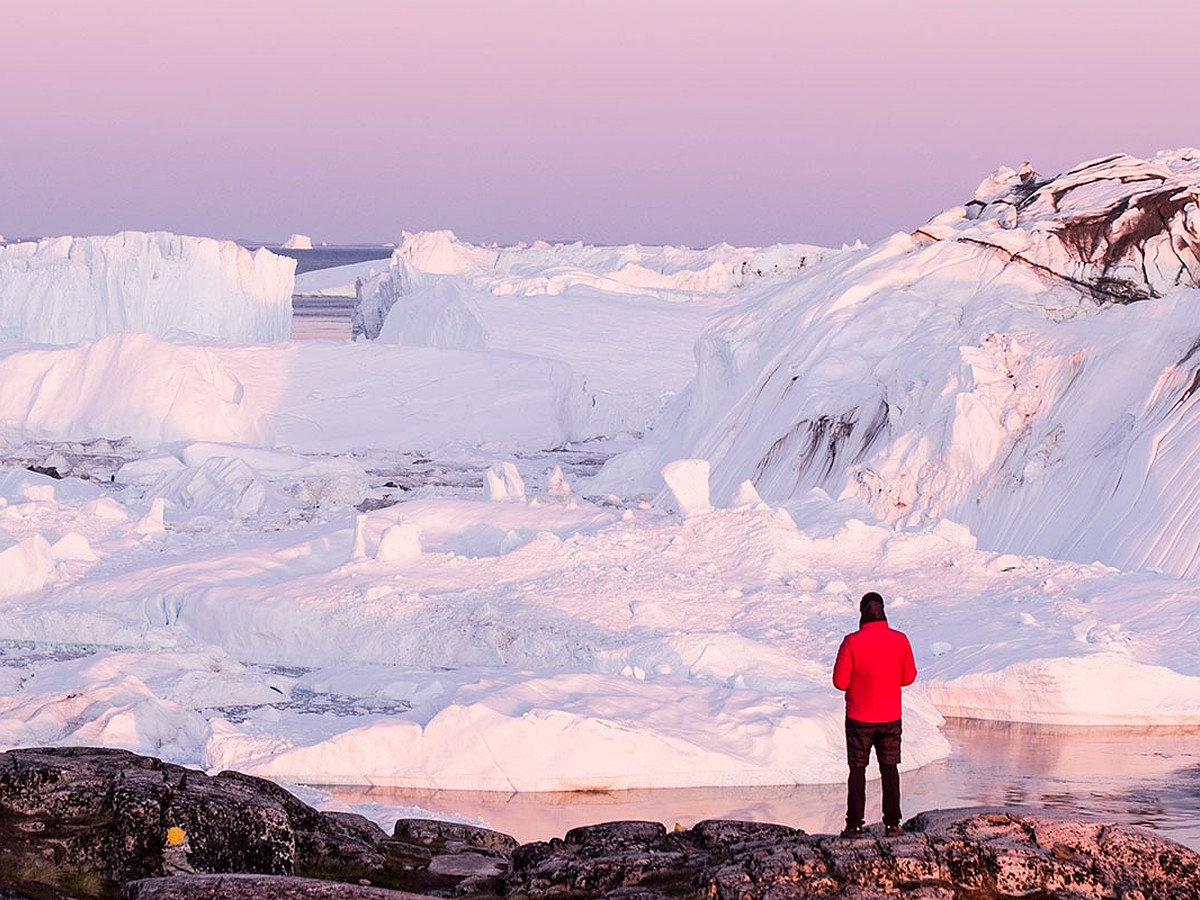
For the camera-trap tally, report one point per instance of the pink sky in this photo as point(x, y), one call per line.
point(603, 120)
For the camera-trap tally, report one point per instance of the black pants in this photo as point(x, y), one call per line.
point(860, 738)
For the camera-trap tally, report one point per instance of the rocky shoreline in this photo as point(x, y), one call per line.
point(85, 822)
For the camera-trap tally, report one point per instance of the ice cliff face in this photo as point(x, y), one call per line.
point(65, 290)
point(990, 368)
point(411, 307)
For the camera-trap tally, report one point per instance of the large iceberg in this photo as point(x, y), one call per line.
point(64, 290)
point(994, 368)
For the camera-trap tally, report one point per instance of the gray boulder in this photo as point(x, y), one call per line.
point(254, 887)
point(975, 854)
point(85, 820)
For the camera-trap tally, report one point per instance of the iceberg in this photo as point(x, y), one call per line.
point(1024, 365)
point(67, 289)
point(297, 242)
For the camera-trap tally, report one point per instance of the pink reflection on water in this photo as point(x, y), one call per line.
point(1144, 777)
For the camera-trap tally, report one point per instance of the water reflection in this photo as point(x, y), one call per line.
point(1146, 777)
point(322, 318)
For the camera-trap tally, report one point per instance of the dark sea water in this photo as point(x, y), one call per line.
point(1144, 777)
point(328, 257)
point(325, 318)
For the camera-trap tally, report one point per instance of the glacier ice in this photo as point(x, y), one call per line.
point(994, 367)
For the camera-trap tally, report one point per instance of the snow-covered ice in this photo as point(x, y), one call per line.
point(572, 517)
point(989, 369)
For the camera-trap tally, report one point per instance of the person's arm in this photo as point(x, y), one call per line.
point(843, 666)
point(908, 668)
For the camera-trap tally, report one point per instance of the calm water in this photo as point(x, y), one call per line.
point(1149, 778)
point(326, 318)
point(322, 318)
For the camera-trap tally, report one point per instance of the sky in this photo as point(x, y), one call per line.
point(608, 121)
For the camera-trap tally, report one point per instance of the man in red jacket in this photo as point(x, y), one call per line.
point(872, 665)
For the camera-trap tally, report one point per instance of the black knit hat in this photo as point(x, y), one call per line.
point(869, 597)
point(871, 609)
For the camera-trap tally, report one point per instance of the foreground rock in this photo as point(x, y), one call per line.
point(945, 854)
point(87, 820)
point(254, 887)
point(82, 822)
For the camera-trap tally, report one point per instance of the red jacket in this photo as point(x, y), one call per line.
point(872, 665)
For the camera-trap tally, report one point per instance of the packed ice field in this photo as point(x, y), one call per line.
point(567, 517)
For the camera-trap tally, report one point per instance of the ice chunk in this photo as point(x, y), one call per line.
point(125, 384)
point(74, 547)
point(400, 543)
point(106, 509)
point(747, 495)
point(504, 482)
point(151, 524)
point(220, 486)
point(687, 480)
point(39, 493)
point(26, 567)
point(425, 311)
point(557, 485)
point(359, 550)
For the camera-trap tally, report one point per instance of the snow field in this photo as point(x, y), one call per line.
point(153, 392)
point(544, 643)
